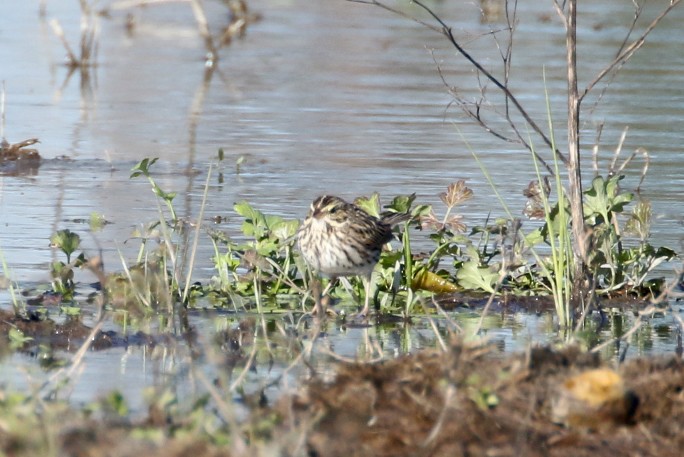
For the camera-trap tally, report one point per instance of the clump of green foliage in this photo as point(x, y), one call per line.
point(260, 268)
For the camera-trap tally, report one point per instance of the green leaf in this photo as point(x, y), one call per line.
point(97, 221)
point(534, 238)
point(472, 276)
point(245, 210)
point(17, 338)
point(143, 167)
point(116, 403)
point(285, 229)
point(371, 205)
point(71, 310)
point(67, 241)
point(402, 203)
point(421, 210)
point(555, 218)
point(602, 199)
point(254, 219)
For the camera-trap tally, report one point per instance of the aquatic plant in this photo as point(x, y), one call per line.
point(63, 272)
point(142, 168)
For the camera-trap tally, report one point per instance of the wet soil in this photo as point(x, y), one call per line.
point(70, 334)
point(470, 401)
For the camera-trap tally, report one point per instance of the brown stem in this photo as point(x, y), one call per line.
point(574, 166)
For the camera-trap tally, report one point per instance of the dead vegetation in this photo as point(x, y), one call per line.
point(470, 401)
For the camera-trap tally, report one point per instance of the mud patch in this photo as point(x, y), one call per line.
point(69, 335)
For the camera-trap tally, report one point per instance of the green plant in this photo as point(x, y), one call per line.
point(17, 338)
point(617, 266)
point(7, 282)
point(143, 169)
point(63, 272)
point(559, 270)
point(263, 264)
point(66, 241)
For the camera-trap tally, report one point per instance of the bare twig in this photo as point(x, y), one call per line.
point(666, 294)
point(628, 51)
point(448, 397)
point(637, 325)
point(397, 12)
point(595, 148)
point(644, 170)
point(238, 445)
point(66, 373)
point(435, 330)
point(474, 114)
point(445, 30)
point(448, 318)
point(618, 150)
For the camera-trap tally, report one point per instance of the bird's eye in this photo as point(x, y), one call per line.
point(333, 210)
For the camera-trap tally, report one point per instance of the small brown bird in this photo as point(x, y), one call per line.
point(340, 239)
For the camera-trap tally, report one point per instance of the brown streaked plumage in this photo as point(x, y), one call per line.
point(340, 239)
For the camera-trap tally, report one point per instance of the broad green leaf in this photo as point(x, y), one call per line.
point(370, 205)
point(402, 203)
point(471, 276)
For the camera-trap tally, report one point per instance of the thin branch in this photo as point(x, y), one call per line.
point(448, 32)
point(560, 10)
point(203, 27)
point(398, 12)
point(473, 114)
point(628, 51)
point(637, 13)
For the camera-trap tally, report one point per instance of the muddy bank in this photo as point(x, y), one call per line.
point(468, 402)
point(464, 400)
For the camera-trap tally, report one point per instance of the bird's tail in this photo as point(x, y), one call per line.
point(395, 218)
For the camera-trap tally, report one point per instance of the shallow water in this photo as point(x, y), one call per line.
point(331, 97)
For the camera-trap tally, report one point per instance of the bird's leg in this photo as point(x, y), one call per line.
point(321, 300)
point(367, 287)
point(316, 294)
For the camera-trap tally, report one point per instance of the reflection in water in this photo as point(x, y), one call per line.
point(253, 357)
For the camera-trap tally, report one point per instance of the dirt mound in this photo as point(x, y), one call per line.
point(472, 401)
